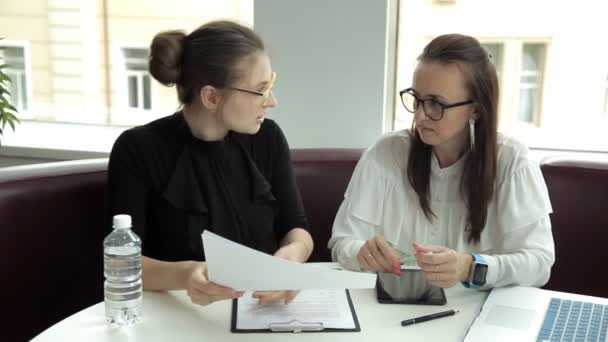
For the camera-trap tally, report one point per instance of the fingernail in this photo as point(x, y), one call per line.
point(396, 268)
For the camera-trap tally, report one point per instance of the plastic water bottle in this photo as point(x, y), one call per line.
point(122, 270)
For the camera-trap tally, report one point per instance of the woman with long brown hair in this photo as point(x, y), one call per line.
point(468, 203)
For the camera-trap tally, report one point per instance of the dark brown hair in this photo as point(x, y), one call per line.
point(207, 56)
point(479, 174)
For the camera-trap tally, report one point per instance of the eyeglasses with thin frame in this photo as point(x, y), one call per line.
point(265, 94)
point(432, 108)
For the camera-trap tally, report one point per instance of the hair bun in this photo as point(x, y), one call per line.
point(165, 56)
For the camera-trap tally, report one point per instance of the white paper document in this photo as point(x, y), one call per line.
point(245, 269)
point(328, 308)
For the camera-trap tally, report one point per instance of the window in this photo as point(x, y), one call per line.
point(81, 66)
point(137, 78)
point(14, 57)
point(530, 85)
point(80, 63)
point(553, 82)
point(496, 51)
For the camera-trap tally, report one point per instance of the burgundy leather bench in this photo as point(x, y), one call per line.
point(52, 219)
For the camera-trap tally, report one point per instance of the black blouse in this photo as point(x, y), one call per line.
point(175, 186)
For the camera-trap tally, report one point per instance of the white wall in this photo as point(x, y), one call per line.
point(330, 58)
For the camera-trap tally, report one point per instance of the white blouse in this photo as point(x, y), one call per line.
point(516, 242)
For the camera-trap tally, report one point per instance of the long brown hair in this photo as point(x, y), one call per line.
point(207, 56)
point(479, 173)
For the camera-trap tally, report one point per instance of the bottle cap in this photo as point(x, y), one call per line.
point(122, 221)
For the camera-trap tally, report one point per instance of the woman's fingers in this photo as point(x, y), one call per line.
point(432, 254)
point(377, 255)
point(266, 297)
point(439, 264)
point(363, 261)
point(387, 252)
point(367, 261)
point(291, 295)
point(381, 253)
point(372, 262)
point(204, 292)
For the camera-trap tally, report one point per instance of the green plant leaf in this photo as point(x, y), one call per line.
point(11, 117)
point(8, 112)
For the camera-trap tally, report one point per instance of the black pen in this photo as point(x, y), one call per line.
point(428, 317)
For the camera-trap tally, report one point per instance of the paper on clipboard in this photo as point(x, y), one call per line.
point(243, 269)
point(311, 310)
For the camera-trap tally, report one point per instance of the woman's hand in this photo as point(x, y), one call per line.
point(377, 255)
point(201, 290)
point(442, 266)
point(295, 251)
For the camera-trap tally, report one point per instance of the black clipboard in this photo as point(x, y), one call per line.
point(294, 326)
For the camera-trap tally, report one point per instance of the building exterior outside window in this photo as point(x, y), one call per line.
point(530, 85)
point(137, 78)
point(14, 57)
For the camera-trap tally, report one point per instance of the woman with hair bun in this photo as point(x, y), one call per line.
point(217, 164)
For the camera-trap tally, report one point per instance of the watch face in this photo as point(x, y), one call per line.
point(479, 276)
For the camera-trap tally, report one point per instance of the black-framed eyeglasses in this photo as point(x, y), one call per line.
point(432, 108)
point(265, 94)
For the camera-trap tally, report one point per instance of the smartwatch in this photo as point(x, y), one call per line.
point(478, 272)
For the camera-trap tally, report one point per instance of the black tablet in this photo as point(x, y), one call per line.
point(408, 288)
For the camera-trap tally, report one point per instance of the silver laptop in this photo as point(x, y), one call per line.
point(531, 314)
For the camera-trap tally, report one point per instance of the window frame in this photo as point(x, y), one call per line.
point(509, 78)
point(27, 65)
point(121, 111)
point(500, 70)
point(521, 85)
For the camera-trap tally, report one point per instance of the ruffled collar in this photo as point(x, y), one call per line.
point(183, 189)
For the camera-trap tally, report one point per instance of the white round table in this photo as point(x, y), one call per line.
point(170, 316)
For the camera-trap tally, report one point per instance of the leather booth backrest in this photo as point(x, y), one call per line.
point(322, 176)
point(53, 215)
point(51, 253)
point(579, 196)
point(52, 219)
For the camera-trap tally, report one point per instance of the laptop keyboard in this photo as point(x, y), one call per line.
point(570, 320)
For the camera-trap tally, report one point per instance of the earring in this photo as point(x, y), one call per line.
point(472, 133)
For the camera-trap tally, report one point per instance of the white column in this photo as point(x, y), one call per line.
point(331, 60)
